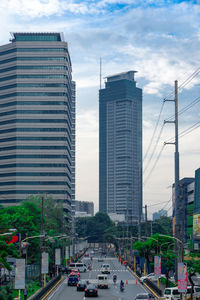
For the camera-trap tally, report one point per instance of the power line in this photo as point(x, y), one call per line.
point(190, 105)
point(154, 149)
point(155, 163)
point(154, 132)
point(186, 131)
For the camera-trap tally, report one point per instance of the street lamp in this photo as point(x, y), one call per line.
point(11, 230)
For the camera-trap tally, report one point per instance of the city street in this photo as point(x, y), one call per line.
point(64, 291)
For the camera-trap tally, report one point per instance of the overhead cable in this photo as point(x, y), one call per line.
point(155, 163)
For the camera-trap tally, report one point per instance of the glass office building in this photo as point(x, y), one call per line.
point(37, 118)
point(120, 147)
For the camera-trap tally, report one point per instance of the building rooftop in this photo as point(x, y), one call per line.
point(37, 36)
point(124, 75)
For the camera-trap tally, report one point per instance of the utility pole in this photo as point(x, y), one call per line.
point(42, 235)
point(183, 221)
point(146, 230)
point(139, 198)
point(176, 172)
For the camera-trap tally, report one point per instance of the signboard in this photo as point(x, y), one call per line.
point(20, 274)
point(14, 239)
point(157, 265)
point(196, 226)
point(57, 257)
point(45, 263)
point(71, 250)
point(67, 254)
point(182, 277)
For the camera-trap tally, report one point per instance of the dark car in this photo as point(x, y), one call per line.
point(73, 279)
point(81, 285)
point(91, 290)
point(144, 296)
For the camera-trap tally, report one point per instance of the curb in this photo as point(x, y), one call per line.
point(53, 288)
point(157, 296)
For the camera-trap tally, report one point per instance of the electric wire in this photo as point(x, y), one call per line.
point(184, 109)
point(181, 86)
point(154, 165)
point(186, 131)
point(154, 132)
point(154, 149)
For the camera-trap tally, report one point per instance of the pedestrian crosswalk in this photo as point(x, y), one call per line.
point(98, 270)
point(110, 281)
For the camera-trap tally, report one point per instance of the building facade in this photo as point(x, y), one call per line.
point(120, 147)
point(83, 208)
point(37, 118)
point(185, 208)
point(196, 215)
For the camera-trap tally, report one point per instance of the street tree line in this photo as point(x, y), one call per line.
point(26, 219)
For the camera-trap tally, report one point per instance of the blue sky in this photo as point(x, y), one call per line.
point(159, 39)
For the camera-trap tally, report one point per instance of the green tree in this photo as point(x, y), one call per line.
point(193, 267)
point(95, 227)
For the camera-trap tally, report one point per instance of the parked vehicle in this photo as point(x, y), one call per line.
point(102, 281)
point(105, 269)
point(144, 296)
point(91, 290)
point(151, 276)
point(81, 285)
point(174, 294)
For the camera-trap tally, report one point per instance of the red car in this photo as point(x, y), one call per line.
point(76, 271)
point(86, 254)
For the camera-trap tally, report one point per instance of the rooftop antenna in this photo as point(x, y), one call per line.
point(100, 72)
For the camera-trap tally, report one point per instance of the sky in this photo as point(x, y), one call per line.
point(158, 38)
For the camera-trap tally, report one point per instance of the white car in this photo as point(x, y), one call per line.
point(105, 269)
point(151, 276)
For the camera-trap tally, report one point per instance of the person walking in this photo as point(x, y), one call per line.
point(25, 293)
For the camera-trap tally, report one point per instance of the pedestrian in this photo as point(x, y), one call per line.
point(25, 293)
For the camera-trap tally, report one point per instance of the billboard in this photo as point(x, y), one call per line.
point(182, 277)
point(20, 274)
point(57, 256)
point(45, 263)
point(157, 265)
point(196, 226)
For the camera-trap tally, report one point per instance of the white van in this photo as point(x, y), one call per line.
point(105, 269)
point(80, 266)
point(174, 294)
point(102, 281)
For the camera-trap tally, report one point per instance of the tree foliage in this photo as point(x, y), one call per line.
point(26, 219)
point(95, 228)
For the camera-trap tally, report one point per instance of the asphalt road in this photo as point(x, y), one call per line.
point(65, 292)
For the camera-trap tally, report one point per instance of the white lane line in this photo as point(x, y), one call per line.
point(56, 289)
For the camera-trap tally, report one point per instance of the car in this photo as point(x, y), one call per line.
point(91, 290)
point(102, 281)
point(73, 279)
point(75, 271)
point(151, 276)
point(100, 259)
point(105, 269)
point(86, 254)
point(81, 285)
point(144, 296)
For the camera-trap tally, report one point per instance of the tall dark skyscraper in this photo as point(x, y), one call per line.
point(37, 118)
point(120, 147)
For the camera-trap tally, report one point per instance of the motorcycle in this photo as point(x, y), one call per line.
point(121, 288)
